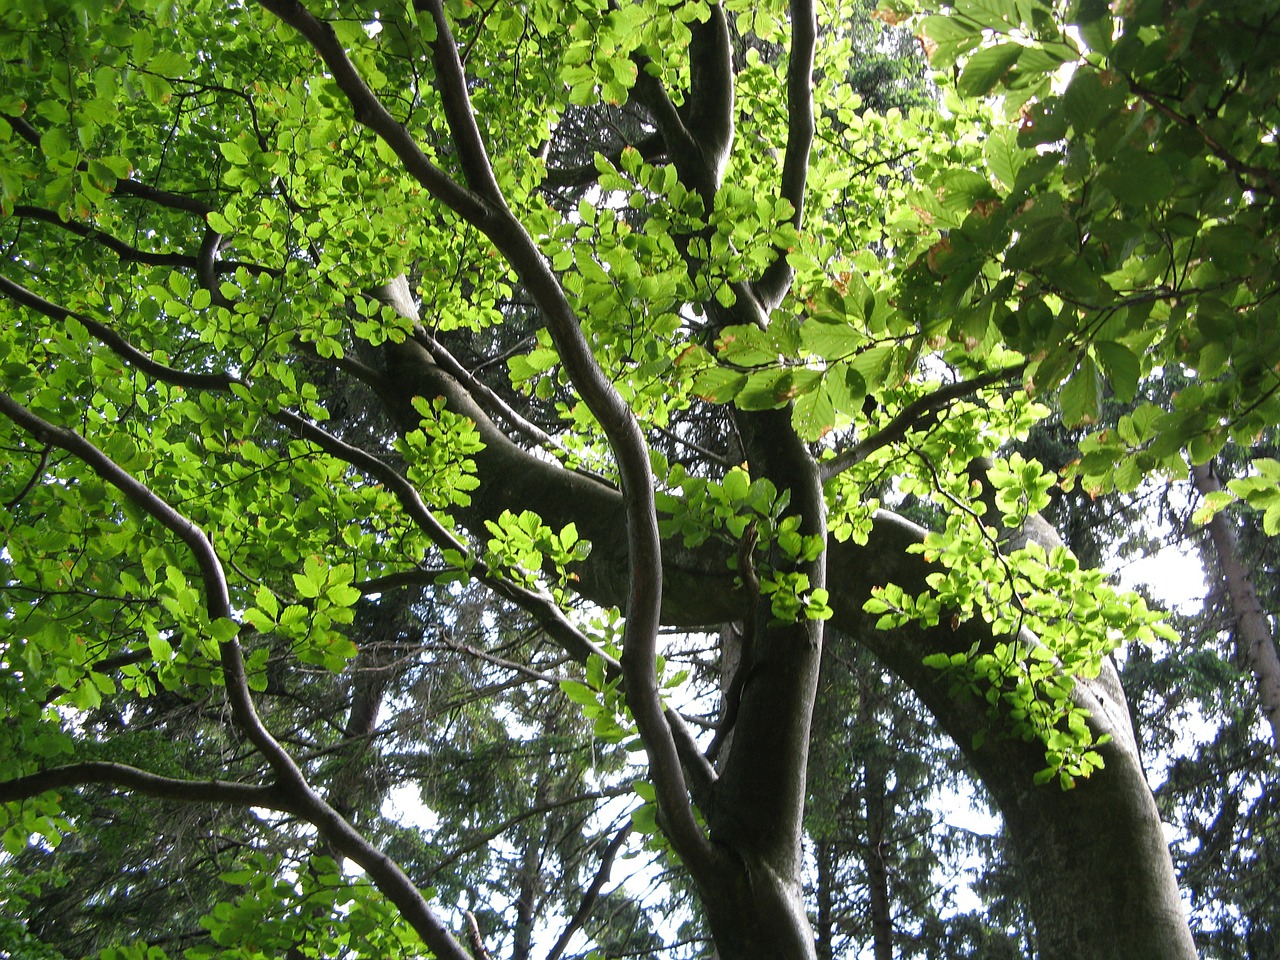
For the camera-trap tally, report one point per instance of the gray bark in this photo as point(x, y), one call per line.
point(1099, 880)
point(1253, 628)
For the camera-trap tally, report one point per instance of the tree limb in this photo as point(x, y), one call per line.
point(384, 871)
point(369, 110)
point(591, 895)
point(910, 417)
point(776, 280)
point(271, 797)
point(452, 82)
point(118, 344)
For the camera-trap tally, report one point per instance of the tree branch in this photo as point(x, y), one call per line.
point(118, 344)
point(452, 81)
point(652, 148)
point(776, 280)
point(490, 214)
point(1263, 178)
point(383, 871)
point(369, 110)
point(540, 607)
point(591, 895)
point(485, 395)
point(1254, 634)
point(271, 797)
point(910, 417)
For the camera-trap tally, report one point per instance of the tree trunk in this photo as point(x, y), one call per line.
point(824, 853)
point(1099, 881)
point(875, 844)
point(1094, 862)
point(1253, 629)
point(756, 813)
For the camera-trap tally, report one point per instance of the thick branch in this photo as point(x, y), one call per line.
point(369, 110)
point(708, 110)
point(476, 165)
point(775, 282)
point(272, 797)
point(508, 234)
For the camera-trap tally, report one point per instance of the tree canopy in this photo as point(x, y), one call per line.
point(452, 451)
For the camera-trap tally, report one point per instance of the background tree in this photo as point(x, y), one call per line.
point(319, 321)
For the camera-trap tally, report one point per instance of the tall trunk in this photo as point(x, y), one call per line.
point(875, 846)
point(757, 909)
point(1063, 834)
point(1095, 866)
point(824, 854)
point(1253, 628)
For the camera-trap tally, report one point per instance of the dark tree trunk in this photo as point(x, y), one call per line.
point(824, 853)
point(1095, 866)
point(1099, 881)
point(875, 847)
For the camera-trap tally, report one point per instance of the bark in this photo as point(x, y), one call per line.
point(1099, 880)
point(824, 854)
point(1253, 628)
point(875, 847)
point(757, 805)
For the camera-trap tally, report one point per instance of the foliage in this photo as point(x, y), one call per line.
point(454, 363)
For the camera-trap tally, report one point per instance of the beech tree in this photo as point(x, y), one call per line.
point(635, 316)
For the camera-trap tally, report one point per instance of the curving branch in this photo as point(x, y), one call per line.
point(911, 416)
point(1251, 177)
point(382, 870)
point(122, 347)
point(542, 608)
point(270, 797)
point(452, 81)
point(370, 111)
point(652, 148)
point(490, 214)
point(490, 398)
point(124, 251)
point(131, 254)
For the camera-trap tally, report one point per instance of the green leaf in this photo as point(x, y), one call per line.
point(987, 68)
point(814, 415)
point(1082, 395)
point(579, 693)
point(1139, 179)
point(1121, 366)
point(1004, 157)
point(234, 153)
